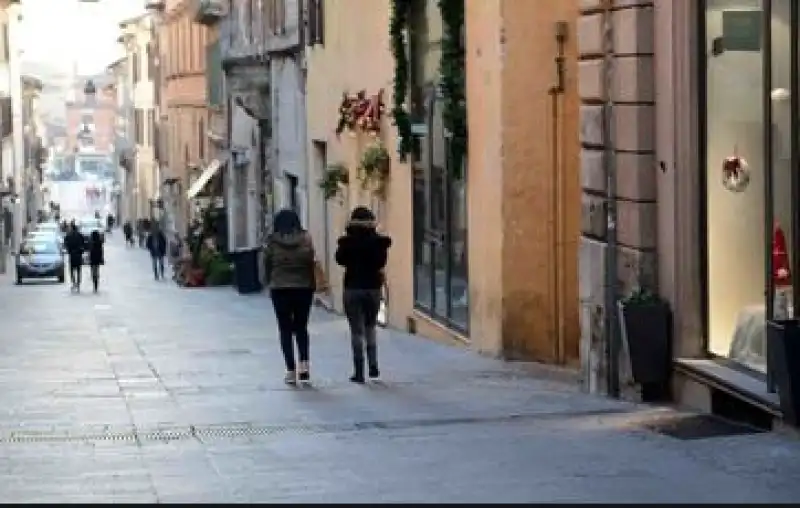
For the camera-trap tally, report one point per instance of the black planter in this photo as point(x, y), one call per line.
point(783, 349)
point(647, 330)
point(245, 271)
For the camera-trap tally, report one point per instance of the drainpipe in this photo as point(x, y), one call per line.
point(611, 331)
point(557, 281)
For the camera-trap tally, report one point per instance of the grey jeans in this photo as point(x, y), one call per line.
point(361, 307)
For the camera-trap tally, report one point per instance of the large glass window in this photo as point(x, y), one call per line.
point(749, 163)
point(440, 222)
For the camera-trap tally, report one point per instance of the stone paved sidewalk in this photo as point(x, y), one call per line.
point(151, 393)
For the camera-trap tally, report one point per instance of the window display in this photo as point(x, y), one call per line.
point(748, 184)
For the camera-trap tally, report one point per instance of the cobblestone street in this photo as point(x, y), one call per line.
point(151, 393)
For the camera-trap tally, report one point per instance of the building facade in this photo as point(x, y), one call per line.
point(124, 157)
point(90, 117)
point(245, 38)
point(483, 205)
point(184, 111)
point(9, 73)
point(34, 151)
point(138, 35)
point(703, 139)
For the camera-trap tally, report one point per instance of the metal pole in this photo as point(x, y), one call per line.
point(769, 158)
point(611, 328)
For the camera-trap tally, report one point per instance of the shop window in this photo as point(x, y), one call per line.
point(439, 200)
point(440, 227)
point(749, 210)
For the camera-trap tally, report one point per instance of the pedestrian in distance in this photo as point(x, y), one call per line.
point(289, 271)
point(127, 230)
point(109, 223)
point(75, 245)
point(157, 246)
point(363, 253)
point(96, 257)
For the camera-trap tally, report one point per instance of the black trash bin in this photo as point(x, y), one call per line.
point(783, 352)
point(245, 270)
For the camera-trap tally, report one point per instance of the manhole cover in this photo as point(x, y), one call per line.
point(688, 428)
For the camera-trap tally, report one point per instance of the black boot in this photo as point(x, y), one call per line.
point(358, 371)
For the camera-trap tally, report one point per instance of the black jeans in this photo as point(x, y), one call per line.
point(292, 310)
point(361, 307)
point(75, 273)
point(95, 271)
point(158, 266)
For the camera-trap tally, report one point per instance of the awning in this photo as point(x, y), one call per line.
point(204, 178)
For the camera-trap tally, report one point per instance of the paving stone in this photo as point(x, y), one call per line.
point(150, 393)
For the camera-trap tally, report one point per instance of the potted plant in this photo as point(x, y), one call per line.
point(335, 176)
point(374, 167)
point(783, 351)
point(646, 329)
point(219, 271)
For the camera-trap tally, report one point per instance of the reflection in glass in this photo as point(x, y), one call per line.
point(422, 255)
point(459, 289)
point(735, 177)
point(440, 282)
point(781, 102)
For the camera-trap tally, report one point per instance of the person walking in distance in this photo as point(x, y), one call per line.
point(363, 253)
point(289, 271)
point(157, 246)
point(75, 244)
point(96, 257)
point(127, 230)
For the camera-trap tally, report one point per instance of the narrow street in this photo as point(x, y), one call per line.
point(151, 393)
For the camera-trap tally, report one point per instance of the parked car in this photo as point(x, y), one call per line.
point(45, 236)
point(53, 227)
point(40, 258)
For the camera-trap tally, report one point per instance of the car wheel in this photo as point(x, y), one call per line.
point(61, 278)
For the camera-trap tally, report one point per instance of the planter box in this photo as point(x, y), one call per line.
point(783, 350)
point(647, 333)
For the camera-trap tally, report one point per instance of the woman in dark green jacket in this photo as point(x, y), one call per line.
point(289, 272)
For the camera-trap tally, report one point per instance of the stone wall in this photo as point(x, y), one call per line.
point(633, 142)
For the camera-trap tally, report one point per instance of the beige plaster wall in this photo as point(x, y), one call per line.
point(523, 204)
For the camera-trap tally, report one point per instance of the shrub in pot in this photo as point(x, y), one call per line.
point(646, 326)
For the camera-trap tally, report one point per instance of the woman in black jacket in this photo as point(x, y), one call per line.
point(363, 253)
point(96, 257)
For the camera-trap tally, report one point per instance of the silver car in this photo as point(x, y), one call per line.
point(40, 259)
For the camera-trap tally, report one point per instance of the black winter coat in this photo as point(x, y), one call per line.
point(157, 244)
point(363, 253)
point(95, 248)
point(75, 244)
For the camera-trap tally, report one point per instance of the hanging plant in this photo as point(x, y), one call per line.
point(374, 168)
point(335, 176)
point(401, 10)
point(361, 113)
point(453, 80)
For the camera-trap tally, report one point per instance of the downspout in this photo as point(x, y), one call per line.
point(557, 278)
point(611, 327)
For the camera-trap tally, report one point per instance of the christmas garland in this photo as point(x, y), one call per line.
point(453, 80)
point(399, 23)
